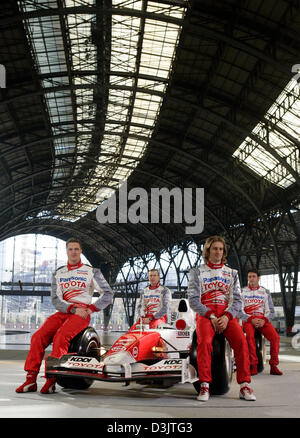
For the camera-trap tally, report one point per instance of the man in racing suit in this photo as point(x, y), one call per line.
point(214, 294)
point(154, 304)
point(72, 289)
point(256, 313)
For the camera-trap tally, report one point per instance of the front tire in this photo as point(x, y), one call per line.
point(221, 365)
point(86, 343)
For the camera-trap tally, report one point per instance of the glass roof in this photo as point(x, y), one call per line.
point(280, 130)
point(142, 51)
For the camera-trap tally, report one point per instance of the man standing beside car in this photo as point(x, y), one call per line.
point(256, 314)
point(214, 294)
point(72, 289)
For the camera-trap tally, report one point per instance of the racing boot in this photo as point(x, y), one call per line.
point(246, 393)
point(49, 386)
point(274, 370)
point(30, 384)
point(204, 392)
point(253, 370)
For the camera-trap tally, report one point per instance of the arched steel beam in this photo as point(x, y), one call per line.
point(46, 206)
point(188, 155)
point(73, 10)
point(84, 237)
point(268, 29)
point(56, 89)
point(205, 32)
point(31, 196)
point(251, 113)
point(244, 131)
point(66, 224)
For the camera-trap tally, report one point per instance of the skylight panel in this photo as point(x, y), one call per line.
point(282, 134)
point(142, 51)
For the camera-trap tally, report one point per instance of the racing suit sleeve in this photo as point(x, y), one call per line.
point(166, 298)
point(235, 301)
point(101, 285)
point(269, 307)
point(242, 314)
point(194, 295)
point(57, 297)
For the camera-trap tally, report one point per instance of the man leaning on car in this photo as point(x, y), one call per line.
point(72, 289)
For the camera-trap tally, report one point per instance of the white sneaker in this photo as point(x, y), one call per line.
point(246, 393)
point(204, 392)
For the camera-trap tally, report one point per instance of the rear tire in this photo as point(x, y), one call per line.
point(221, 365)
point(86, 343)
point(260, 350)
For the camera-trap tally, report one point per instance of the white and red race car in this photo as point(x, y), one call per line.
point(163, 356)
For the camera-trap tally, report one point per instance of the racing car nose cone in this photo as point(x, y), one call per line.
point(119, 358)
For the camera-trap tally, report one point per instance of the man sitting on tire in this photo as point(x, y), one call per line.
point(214, 294)
point(72, 289)
point(256, 313)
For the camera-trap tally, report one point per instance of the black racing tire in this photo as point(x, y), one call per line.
point(86, 343)
point(221, 365)
point(260, 350)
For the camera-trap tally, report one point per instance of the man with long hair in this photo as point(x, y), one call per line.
point(215, 295)
point(72, 289)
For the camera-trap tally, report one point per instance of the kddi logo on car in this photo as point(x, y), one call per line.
point(167, 364)
point(80, 359)
point(83, 362)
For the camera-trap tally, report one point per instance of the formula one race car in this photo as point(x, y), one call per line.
point(163, 356)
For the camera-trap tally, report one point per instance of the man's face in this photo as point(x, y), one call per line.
point(153, 278)
point(253, 279)
point(216, 251)
point(73, 252)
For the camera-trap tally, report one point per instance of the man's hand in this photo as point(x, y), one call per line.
point(82, 312)
point(222, 323)
point(145, 320)
point(258, 322)
point(215, 324)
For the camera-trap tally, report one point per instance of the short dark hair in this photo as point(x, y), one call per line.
point(151, 270)
point(254, 270)
point(73, 240)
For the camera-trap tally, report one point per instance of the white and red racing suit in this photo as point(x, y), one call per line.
point(154, 304)
point(257, 303)
point(72, 286)
point(214, 290)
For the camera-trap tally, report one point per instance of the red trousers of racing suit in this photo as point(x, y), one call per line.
point(153, 324)
point(236, 338)
point(269, 333)
point(60, 329)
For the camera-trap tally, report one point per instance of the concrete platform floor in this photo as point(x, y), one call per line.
point(277, 397)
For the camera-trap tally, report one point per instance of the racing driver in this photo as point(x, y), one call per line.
point(214, 294)
point(72, 289)
point(154, 304)
point(256, 314)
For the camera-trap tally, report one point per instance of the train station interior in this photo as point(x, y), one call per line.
point(142, 128)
